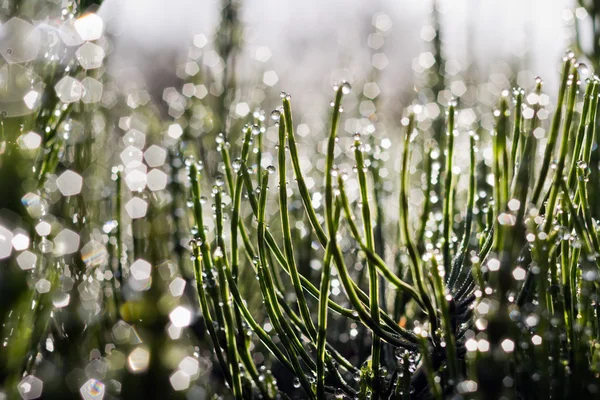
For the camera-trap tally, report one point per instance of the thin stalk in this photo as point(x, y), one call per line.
point(447, 217)
point(322, 332)
point(434, 386)
point(554, 127)
point(517, 127)
point(564, 147)
point(302, 188)
point(500, 166)
point(287, 235)
point(363, 314)
point(416, 268)
point(279, 254)
point(590, 134)
point(427, 167)
point(202, 252)
point(221, 264)
point(585, 208)
point(461, 254)
point(440, 292)
point(206, 314)
point(286, 335)
point(581, 133)
point(305, 196)
point(373, 278)
point(385, 271)
point(119, 230)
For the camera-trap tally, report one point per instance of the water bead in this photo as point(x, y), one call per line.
point(236, 164)
point(271, 169)
point(189, 161)
point(275, 115)
point(569, 54)
point(346, 88)
point(582, 69)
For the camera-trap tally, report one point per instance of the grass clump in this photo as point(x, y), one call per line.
point(492, 296)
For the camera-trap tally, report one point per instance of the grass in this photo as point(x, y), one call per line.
point(485, 316)
point(435, 259)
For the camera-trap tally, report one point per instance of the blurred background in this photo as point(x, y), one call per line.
point(304, 47)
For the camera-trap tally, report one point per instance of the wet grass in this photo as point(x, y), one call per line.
point(497, 292)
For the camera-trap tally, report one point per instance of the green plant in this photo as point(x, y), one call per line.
point(486, 316)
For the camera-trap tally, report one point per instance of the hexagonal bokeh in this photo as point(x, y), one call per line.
point(180, 380)
point(131, 156)
point(20, 241)
point(156, 180)
point(69, 90)
point(66, 242)
point(190, 366)
point(121, 332)
point(19, 41)
point(43, 228)
point(177, 286)
point(92, 90)
point(135, 138)
point(69, 34)
point(33, 204)
point(136, 208)
point(93, 389)
point(27, 260)
point(371, 90)
point(89, 26)
point(180, 317)
point(155, 156)
point(136, 178)
point(29, 141)
point(90, 55)
point(20, 90)
point(140, 270)
point(270, 78)
point(94, 254)
point(69, 183)
point(6, 238)
point(43, 286)
point(138, 360)
point(30, 387)
point(175, 131)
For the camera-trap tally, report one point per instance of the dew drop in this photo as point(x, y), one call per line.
point(346, 88)
point(275, 115)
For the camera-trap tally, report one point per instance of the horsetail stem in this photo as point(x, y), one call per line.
point(448, 187)
point(416, 267)
point(573, 84)
point(554, 127)
point(287, 234)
